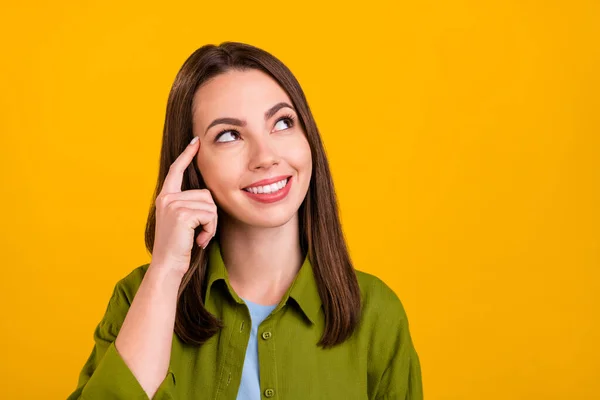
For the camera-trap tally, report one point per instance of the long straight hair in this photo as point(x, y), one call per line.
point(320, 229)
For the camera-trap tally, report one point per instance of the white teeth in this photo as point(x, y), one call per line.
point(274, 187)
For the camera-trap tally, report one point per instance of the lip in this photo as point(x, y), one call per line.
point(271, 197)
point(268, 181)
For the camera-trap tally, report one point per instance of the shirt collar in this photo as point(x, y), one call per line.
point(303, 289)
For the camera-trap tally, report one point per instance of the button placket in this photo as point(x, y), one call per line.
point(266, 354)
point(236, 351)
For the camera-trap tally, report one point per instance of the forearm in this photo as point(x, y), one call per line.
point(145, 338)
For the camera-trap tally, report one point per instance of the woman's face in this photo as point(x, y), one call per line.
point(265, 143)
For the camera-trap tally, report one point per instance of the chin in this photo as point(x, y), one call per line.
point(264, 216)
point(267, 219)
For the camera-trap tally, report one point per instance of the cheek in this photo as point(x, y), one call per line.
point(300, 156)
point(304, 158)
point(220, 182)
point(216, 173)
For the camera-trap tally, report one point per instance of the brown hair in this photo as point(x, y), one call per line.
point(320, 228)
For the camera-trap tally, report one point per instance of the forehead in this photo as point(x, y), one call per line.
point(237, 94)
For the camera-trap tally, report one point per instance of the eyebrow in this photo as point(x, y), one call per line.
point(238, 122)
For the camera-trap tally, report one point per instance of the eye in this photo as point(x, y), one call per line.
point(225, 133)
point(289, 119)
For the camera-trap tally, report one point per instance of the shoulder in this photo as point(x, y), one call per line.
point(126, 288)
point(378, 298)
point(394, 370)
point(118, 305)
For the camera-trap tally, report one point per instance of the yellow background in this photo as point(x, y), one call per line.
point(463, 138)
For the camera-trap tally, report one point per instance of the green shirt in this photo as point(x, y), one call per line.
point(378, 361)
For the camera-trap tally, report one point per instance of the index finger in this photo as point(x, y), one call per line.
point(174, 177)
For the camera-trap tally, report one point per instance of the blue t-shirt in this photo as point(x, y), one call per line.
point(250, 385)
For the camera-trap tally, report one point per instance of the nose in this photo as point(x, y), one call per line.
point(263, 155)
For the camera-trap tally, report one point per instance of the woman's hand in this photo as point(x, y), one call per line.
point(179, 213)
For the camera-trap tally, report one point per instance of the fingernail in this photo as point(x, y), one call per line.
point(194, 140)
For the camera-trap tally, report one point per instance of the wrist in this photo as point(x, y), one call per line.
point(164, 271)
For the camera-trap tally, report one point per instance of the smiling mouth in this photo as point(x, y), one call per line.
point(267, 189)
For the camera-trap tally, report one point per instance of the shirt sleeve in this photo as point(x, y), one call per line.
point(105, 374)
point(401, 377)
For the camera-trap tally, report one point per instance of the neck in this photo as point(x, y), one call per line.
point(261, 262)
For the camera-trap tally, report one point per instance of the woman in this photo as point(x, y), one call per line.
point(250, 292)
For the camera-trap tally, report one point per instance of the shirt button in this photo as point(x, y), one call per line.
point(266, 335)
point(269, 393)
